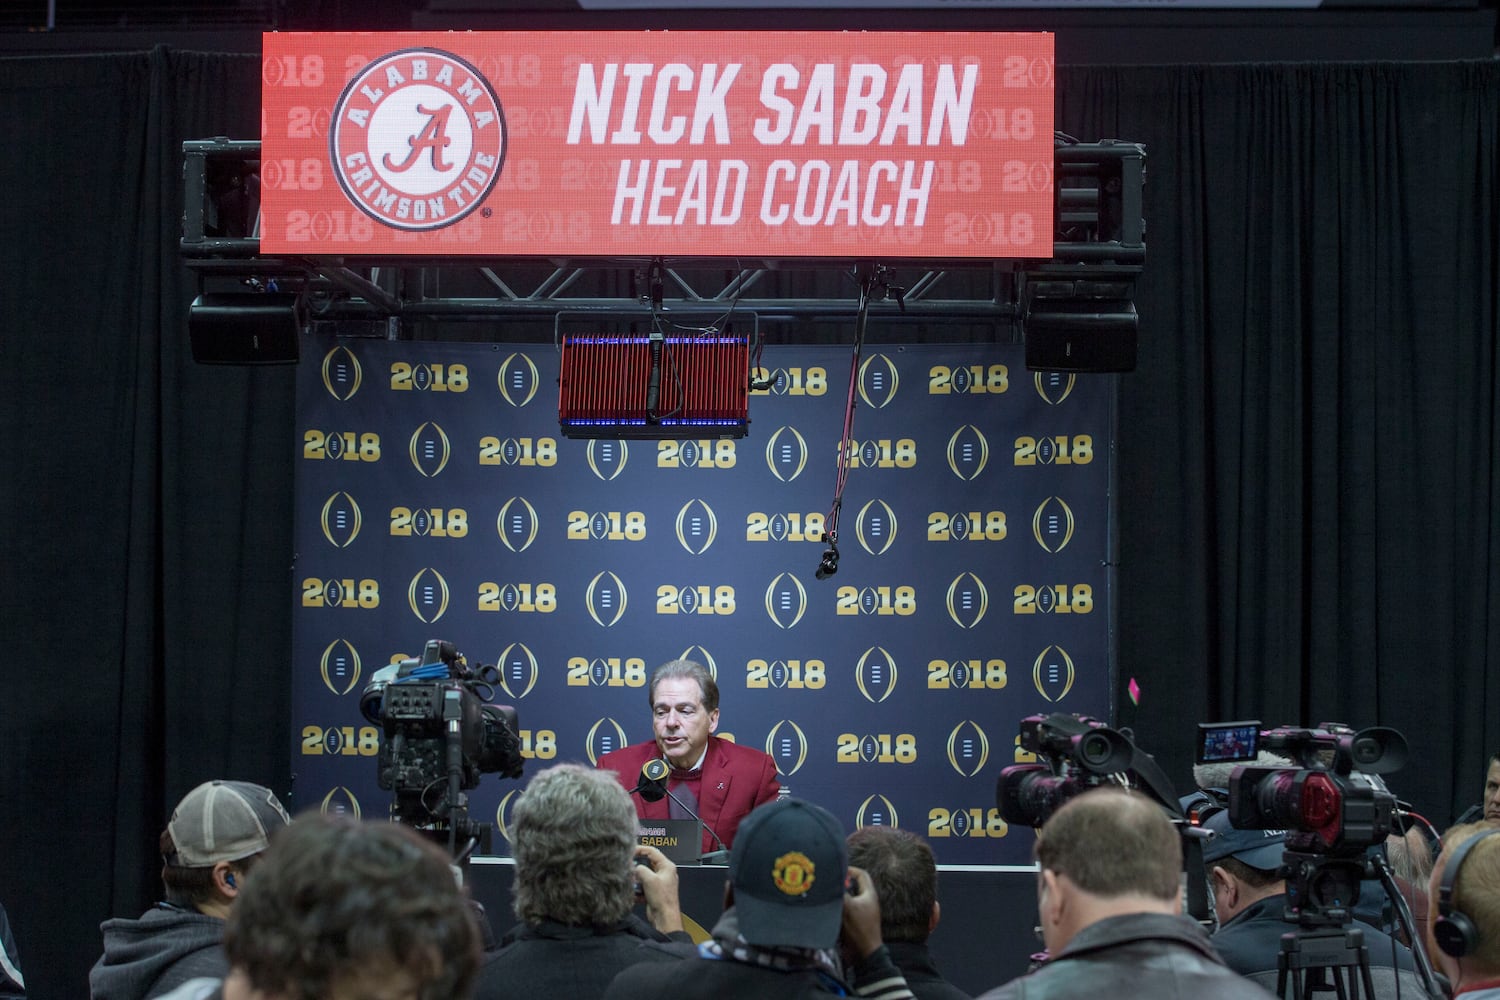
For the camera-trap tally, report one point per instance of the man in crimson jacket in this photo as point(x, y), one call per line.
point(719, 780)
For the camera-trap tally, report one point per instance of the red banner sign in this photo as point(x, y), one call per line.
point(932, 145)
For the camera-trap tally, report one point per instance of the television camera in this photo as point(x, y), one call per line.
point(1334, 805)
point(441, 734)
point(1077, 753)
point(1336, 802)
point(1336, 810)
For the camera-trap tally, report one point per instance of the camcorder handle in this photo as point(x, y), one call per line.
point(1198, 905)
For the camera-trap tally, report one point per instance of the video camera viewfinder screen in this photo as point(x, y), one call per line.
point(1227, 741)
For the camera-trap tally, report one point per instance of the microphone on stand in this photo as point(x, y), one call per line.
point(652, 787)
point(653, 784)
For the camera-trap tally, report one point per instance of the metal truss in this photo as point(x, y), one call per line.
point(1099, 242)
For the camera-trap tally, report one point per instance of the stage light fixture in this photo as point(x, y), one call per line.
point(654, 387)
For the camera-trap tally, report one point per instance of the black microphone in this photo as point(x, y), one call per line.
point(829, 564)
point(653, 784)
point(653, 788)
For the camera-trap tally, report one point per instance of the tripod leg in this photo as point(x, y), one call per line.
point(1283, 969)
point(1369, 981)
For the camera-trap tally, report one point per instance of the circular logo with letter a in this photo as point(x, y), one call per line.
point(418, 139)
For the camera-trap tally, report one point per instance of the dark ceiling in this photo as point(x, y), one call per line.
point(1125, 32)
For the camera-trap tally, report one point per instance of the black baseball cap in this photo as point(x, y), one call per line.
point(1260, 849)
point(787, 867)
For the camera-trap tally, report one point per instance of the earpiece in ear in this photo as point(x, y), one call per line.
point(229, 880)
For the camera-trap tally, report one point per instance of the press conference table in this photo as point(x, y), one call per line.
point(985, 936)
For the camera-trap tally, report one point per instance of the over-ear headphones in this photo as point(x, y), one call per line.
point(1454, 932)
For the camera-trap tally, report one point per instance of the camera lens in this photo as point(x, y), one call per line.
point(1094, 750)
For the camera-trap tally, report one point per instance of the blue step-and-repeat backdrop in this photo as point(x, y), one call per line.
point(436, 498)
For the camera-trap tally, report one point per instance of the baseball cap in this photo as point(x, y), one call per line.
point(1260, 849)
point(224, 821)
point(787, 867)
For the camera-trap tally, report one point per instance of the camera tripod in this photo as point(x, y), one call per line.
point(1328, 952)
point(1320, 959)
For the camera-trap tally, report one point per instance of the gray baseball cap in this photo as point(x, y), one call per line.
point(224, 821)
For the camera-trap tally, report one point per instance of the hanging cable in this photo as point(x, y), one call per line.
point(874, 282)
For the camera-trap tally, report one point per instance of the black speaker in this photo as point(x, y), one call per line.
point(245, 328)
point(1080, 335)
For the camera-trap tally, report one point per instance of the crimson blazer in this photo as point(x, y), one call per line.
point(735, 780)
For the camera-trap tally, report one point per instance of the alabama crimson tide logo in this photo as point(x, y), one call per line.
point(418, 139)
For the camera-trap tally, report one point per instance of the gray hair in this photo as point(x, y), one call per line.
point(692, 670)
point(573, 835)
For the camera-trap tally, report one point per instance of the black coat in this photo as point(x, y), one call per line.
point(921, 973)
point(1145, 955)
point(562, 961)
point(706, 978)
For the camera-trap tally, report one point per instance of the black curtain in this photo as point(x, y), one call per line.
point(146, 503)
point(1307, 453)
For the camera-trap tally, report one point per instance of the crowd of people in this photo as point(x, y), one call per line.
point(259, 906)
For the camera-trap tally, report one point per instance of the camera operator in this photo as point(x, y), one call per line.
point(1108, 898)
point(904, 870)
point(1250, 901)
point(1464, 937)
point(574, 839)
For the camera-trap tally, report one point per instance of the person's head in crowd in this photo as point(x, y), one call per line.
point(1463, 934)
point(684, 710)
point(798, 920)
point(573, 834)
point(1241, 865)
point(346, 910)
point(216, 835)
point(787, 873)
point(1410, 855)
point(1492, 789)
point(1107, 852)
point(904, 871)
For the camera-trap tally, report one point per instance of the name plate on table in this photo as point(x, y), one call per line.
point(679, 839)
